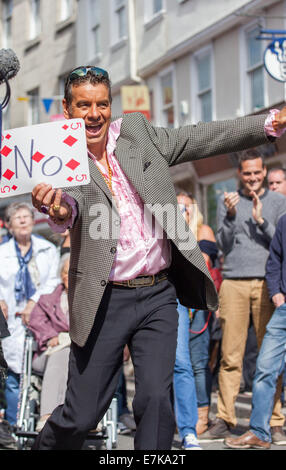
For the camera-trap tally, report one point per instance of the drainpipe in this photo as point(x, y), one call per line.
point(132, 42)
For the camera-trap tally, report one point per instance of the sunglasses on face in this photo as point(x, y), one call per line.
point(82, 72)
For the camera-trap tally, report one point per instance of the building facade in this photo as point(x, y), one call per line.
point(199, 59)
point(43, 35)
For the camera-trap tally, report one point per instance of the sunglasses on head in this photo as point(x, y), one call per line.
point(82, 72)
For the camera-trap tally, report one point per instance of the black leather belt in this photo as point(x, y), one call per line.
point(143, 281)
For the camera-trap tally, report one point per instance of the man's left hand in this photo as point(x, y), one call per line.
point(257, 208)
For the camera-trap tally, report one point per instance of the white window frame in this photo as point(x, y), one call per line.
point(95, 27)
point(116, 37)
point(150, 16)
point(66, 10)
point(196, 114)
point(35, 26)
point(34, 106)
point(245, 72)
point(159, 105)
point(7, 12)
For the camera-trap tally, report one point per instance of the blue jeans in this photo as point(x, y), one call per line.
point(121, 395)
point(270, 364)
point(199, 344)
point(12, 396)
point(184, 382)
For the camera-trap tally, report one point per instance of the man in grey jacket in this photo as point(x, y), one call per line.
point(124, 283)
point(246, 224)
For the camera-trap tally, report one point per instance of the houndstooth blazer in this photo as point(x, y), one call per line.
point(145, 153)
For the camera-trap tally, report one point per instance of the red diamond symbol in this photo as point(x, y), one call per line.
point(5, 151)
point(65, 127)
point(72, 164)
point(70, 179)
point(8, 136)
point(14, 187)
point(38, 157)
point(70, 140)
point(8, 174)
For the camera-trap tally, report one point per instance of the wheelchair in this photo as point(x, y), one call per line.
point(104, 437)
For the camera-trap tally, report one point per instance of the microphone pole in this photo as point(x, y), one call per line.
point(4, 102)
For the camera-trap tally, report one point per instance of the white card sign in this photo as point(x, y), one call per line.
point(53, 153)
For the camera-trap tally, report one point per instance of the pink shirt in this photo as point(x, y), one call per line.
point(139, 251)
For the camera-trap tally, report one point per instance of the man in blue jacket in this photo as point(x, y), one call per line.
point(271, 359)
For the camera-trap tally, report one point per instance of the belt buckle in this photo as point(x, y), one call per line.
point(133, 282)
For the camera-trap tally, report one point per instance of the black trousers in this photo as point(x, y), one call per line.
point(146, 319)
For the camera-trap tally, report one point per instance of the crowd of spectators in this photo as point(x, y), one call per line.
point(245, 258)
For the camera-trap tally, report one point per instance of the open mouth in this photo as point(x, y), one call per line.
point(93, 130)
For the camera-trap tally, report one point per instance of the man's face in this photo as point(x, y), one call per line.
point(252, 175)
point(91, 103)
point(277, 182)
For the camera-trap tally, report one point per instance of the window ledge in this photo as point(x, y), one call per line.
point(61, 25)
point(155, 19)
point(30, 43)
point(120, 43)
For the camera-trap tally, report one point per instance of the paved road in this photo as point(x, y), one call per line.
point(243, 412)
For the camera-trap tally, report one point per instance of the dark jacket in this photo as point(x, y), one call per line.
point(145, 153)
point(276, 264)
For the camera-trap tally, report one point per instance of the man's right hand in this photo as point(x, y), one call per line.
point(230, 202)
point(44, 196)
point(278, 299)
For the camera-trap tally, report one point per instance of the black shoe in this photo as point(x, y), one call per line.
point(6, 438)
point(218, 431)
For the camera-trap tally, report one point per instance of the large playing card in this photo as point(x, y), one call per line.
point(53, 153)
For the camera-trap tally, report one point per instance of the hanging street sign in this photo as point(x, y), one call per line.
point(275, 59)
point(275, 53)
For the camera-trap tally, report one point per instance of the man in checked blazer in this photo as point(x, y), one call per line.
point(124, 283)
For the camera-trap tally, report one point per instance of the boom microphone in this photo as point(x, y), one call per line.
point(9, 67)
point(9, 64)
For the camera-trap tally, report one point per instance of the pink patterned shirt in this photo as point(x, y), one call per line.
point(139, 251)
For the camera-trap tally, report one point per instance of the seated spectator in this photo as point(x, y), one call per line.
point(29, 267)
point(49, 323)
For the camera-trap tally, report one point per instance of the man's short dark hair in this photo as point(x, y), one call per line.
point(90, 77)
point(273, 170)
point(250, 154)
